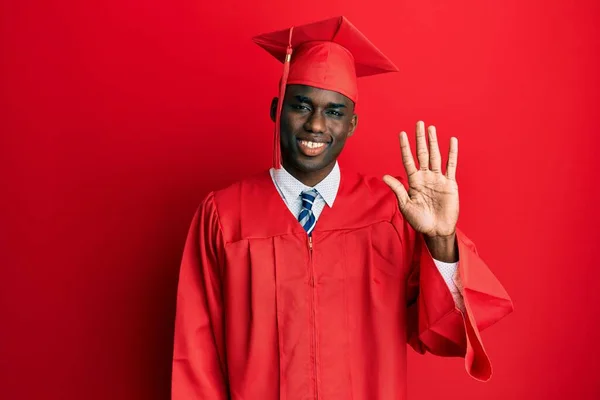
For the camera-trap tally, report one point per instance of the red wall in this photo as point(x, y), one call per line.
point(117, 117)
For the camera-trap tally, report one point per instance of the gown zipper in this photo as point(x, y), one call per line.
point(314, 313)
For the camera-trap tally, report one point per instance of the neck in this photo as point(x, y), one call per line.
point(309, 178)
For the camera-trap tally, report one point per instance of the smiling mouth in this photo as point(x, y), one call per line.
point(310, 148)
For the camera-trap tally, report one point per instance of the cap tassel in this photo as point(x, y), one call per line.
point(282, 86)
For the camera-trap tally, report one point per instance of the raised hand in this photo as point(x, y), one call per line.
point(431, 204)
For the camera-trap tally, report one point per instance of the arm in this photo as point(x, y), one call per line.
point(436, 324)
point(429, 209)
point(449, 272)
point(446, 249)
point(199, 368)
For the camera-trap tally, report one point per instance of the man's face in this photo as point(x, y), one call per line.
point(315, 124)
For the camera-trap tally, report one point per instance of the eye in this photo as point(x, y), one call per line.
point(300, 107)
point(335, 113)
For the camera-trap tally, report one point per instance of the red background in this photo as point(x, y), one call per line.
point(117, 117)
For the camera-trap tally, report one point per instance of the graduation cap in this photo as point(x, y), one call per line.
point(328, 54)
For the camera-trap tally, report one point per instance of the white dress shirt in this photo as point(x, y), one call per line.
point(290, 189)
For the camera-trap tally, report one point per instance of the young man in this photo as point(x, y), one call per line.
point(308, 281)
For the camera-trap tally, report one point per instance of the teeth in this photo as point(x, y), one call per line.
point(312, 145)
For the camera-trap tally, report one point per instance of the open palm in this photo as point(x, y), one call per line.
point(431, 204)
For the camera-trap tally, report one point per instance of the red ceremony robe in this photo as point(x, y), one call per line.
point(262, 316)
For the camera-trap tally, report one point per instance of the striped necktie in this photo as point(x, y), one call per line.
point(307, 218)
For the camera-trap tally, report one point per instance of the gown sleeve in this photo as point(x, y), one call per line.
point(199, 368)
point(435, 324)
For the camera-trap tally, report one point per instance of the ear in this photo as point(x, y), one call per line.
point(353, 124)
point(274, 109)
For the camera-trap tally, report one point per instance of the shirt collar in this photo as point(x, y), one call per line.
point(291, 187)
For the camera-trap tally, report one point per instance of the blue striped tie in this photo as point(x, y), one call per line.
point(307, 218)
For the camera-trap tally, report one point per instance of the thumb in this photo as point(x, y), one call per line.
point(398, 189)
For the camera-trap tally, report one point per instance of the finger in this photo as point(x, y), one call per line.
point(407, 158)
point(422, 153)
point(435, 158)
point(452, 159)
point(398, 189)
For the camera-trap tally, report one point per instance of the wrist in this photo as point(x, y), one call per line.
point(443, 248)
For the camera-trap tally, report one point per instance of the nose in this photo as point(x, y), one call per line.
point(315, 123)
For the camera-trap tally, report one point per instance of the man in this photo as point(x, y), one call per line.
point(307, 282)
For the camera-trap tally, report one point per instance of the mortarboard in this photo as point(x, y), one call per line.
point(328, 54)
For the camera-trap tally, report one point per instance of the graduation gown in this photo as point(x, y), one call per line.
point(264, 313)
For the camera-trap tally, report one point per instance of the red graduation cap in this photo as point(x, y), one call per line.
point(328, 54)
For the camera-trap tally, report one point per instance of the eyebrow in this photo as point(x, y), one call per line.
point(307, 100)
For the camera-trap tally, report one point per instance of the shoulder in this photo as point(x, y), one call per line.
point(234, 192)
point(370, 192)
point(369, 185)
point(235, 205)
